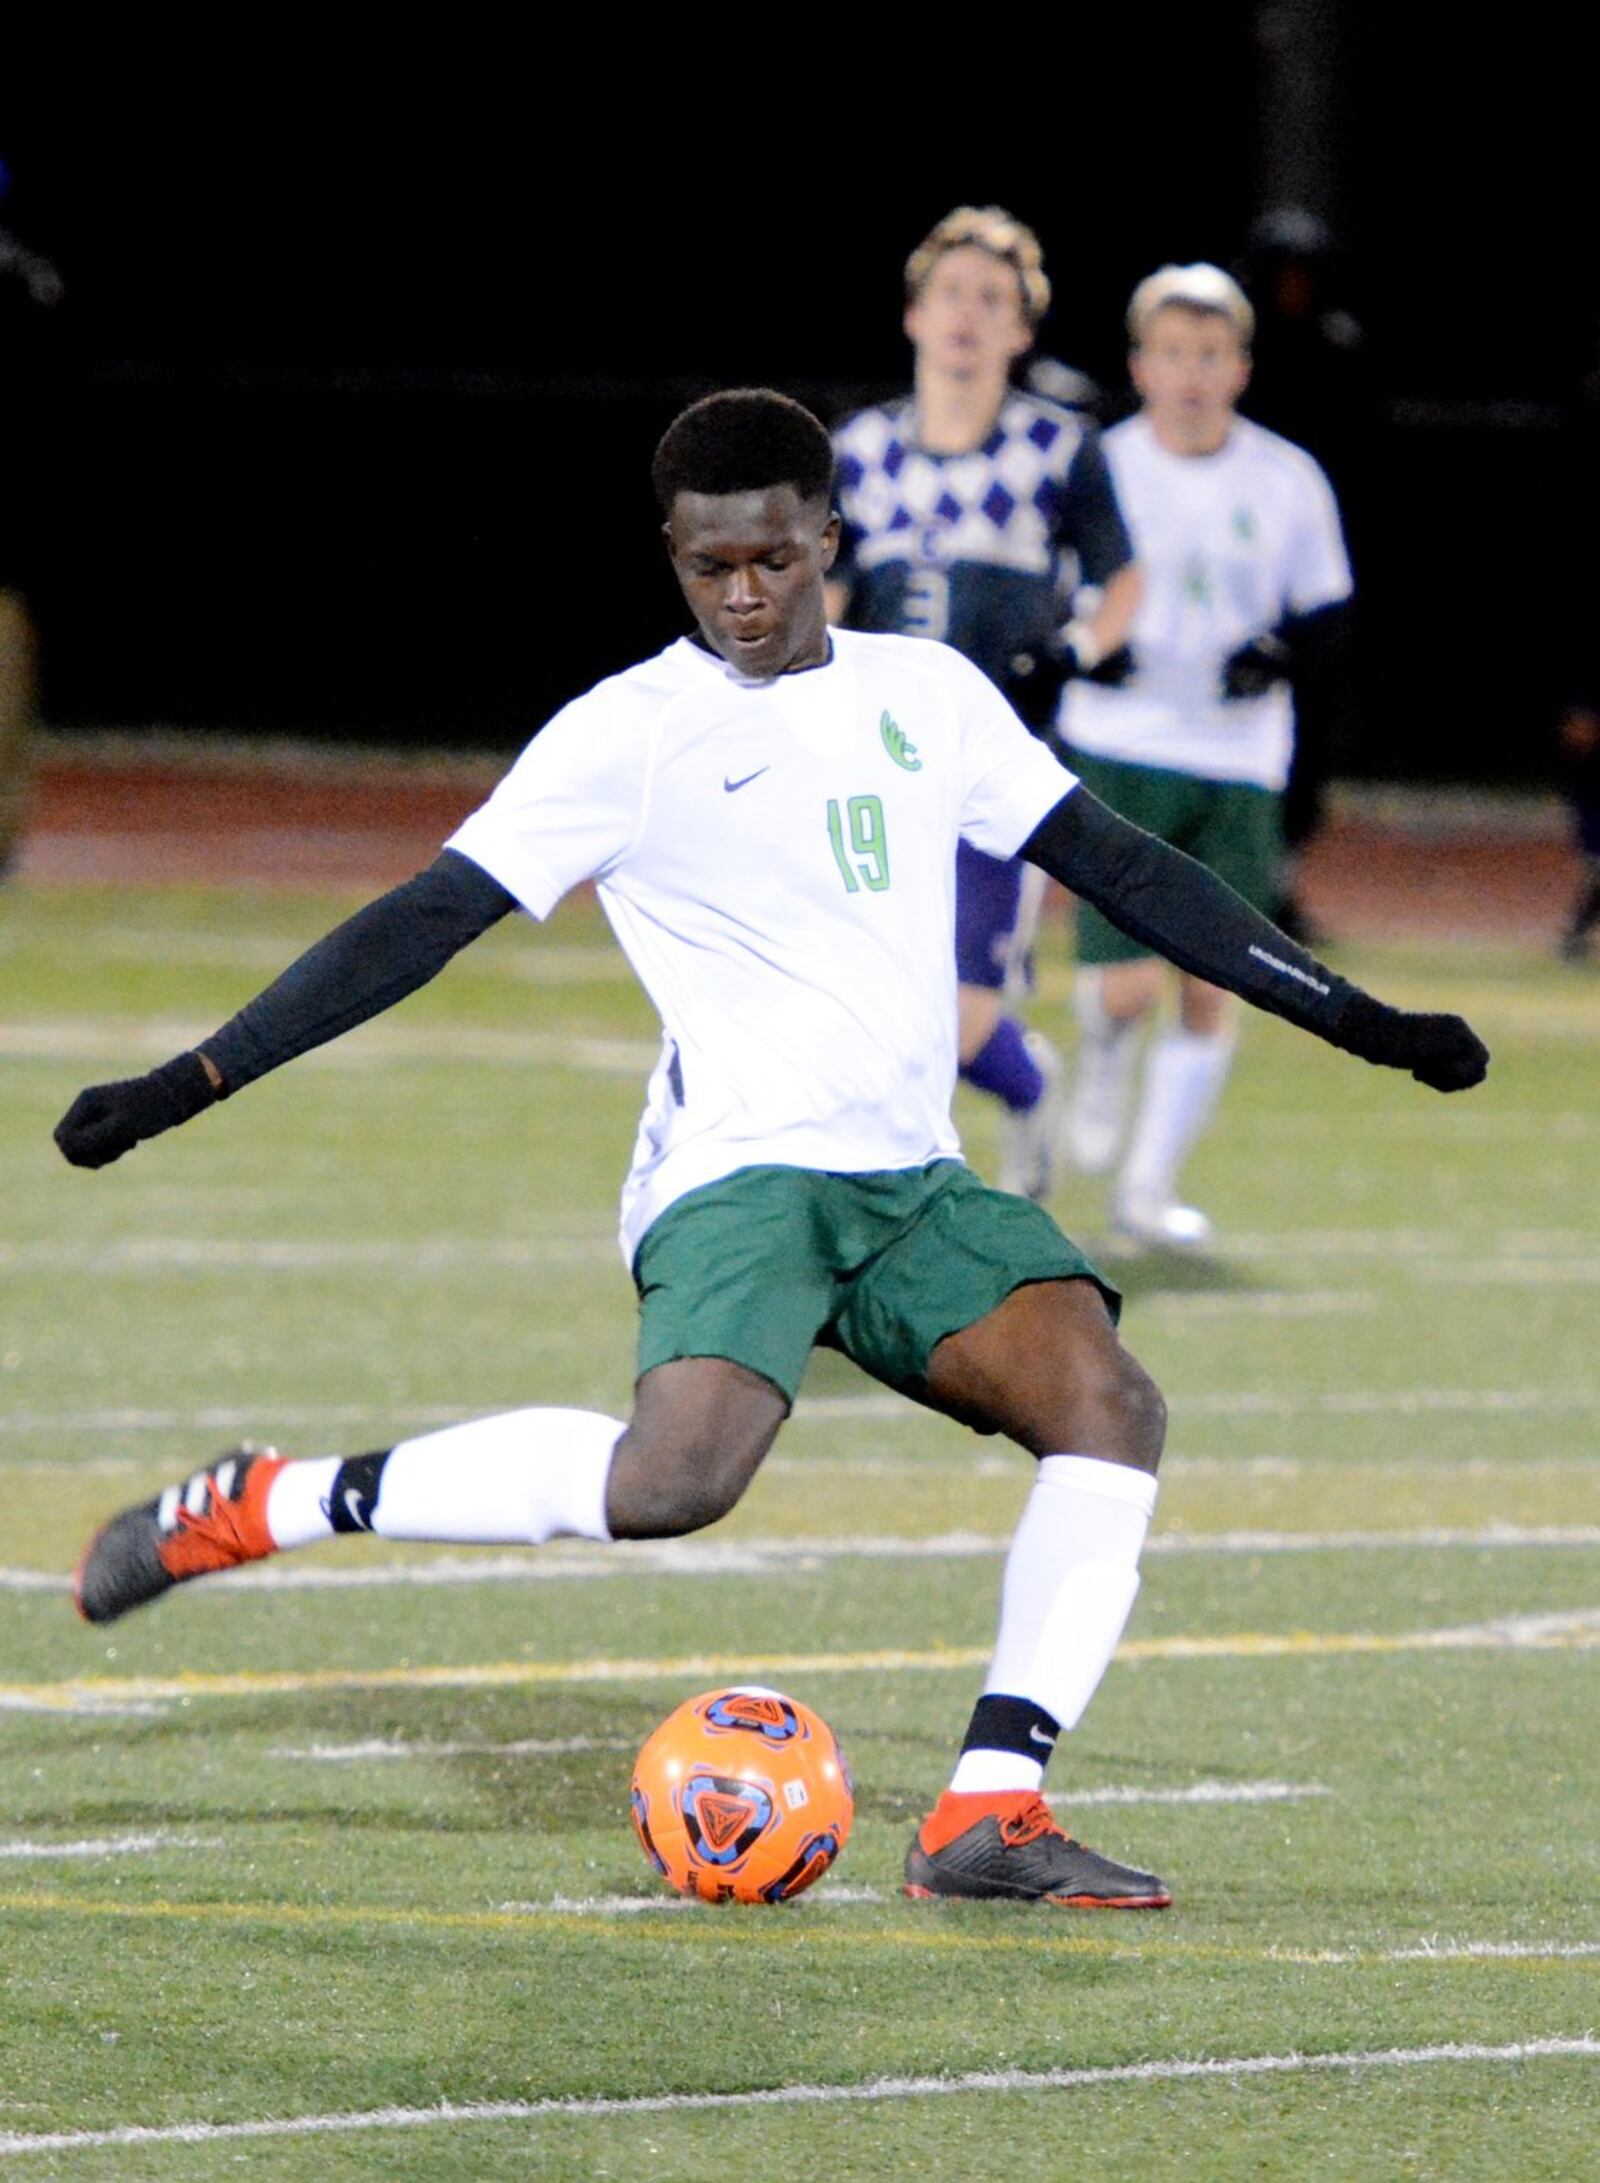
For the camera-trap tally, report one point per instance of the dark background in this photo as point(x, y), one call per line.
point(350, 404)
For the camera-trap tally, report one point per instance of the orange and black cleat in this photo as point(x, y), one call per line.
point(1008, 1848)
point(214, 1520)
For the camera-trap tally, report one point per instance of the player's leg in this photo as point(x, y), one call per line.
point(730, 1306)
point(1034, 1354)
point(1235, 830)
point(1046, 1367)
point(1184, 1074)
point(999, 1055)
point(1119, 984)
point(699, 1430)
point(1114, 1000)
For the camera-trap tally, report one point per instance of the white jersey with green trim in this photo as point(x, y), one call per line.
point(1229, 543)
point(777, 860)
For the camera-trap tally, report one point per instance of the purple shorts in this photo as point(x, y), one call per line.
point(988, 898)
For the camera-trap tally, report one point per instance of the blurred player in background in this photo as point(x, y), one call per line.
point(1580, 768)
point(1246, 591)
point(1311, 380)
point(973, 510)
point(770, 812)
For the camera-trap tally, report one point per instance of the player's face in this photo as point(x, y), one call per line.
point(1189, 370)
point(751, 566)
point(968, 321)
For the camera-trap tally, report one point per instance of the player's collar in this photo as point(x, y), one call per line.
point(755, 682)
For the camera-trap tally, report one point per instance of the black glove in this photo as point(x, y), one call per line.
point(1112, 671)
point(1038, 678)
point(1442, 1052)
point(108, 1120)
point(1255, 667)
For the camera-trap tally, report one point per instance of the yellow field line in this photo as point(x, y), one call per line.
point(717, 1927)
point(1577, 1633)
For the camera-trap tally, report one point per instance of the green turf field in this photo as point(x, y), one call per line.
point(295, 1849)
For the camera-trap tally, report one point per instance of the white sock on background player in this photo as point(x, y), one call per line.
point(1070, 1582)
point(518, 1478)
point(1102, 1089)
point(1183, 1081)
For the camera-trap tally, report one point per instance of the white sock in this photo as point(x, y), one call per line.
point(1070, 1583)
point(1183, 1081)
point(1108, 1053)
point(515, 1479)
point(297, 1502)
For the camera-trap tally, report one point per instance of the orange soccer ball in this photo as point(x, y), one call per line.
point(742, 1796)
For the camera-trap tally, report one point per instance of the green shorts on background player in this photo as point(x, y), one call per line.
point(1246, 584)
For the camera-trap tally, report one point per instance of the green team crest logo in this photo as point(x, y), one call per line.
point(1244, 526)
point(894, 742)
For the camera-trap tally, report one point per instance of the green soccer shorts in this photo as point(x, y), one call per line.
point(768, 1263)
point(1233, 827)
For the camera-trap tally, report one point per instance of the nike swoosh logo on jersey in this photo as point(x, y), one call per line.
point(730, 786)
point(1037, 1735)
point(352, 1502)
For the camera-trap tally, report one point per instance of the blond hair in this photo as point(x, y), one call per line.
point(990, 228)
point(1193, 288)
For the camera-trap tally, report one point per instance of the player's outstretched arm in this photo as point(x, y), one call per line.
point(1173, 905)
point(362, 967)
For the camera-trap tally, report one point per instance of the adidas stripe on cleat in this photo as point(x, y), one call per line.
point(1008, 1848)
point(214, 1520)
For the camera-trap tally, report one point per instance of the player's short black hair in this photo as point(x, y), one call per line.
point(742, 441)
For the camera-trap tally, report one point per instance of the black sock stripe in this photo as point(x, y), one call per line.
point(354, 1498)
point(1000, 1723)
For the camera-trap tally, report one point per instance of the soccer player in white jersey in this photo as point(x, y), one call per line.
point(1246, 584)
point(971, 512)
point(770, 816)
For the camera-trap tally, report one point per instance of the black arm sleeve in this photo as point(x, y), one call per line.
point(1181, 910)
point(1091, 515)
point(1318, 643)
point(362, 967)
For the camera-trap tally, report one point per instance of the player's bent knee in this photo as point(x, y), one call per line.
point(1115, 1411)
point(1143, 1410)
point(655, 1493)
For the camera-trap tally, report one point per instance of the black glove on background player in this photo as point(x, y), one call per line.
point(1443, 1052)
point(108, 1120)
point(1302, 648)
point(1255, 667)
point(1038, 678)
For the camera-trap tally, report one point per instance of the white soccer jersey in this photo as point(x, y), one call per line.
point(777, 860)
point(1229, 543)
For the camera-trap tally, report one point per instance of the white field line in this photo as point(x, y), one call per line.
point(1567, 1632)
point(1395, 1402)
point(427, 1255)
point(1260, 1303)
point(96, 1850)
point(555, 964)
point(1449, 1951)
point(1513, 1272)
point(777, 1556)
point(394, 1747)
point(110, 1710)
point(625, 1906)
point(871, 2092)
point(101, 1038)
point(822, 1409)
point(1198, 1792)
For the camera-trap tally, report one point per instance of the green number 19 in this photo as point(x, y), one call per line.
point(868, 839)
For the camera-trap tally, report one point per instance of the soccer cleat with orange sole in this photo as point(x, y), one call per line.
point(214, 1520)
point(1008, 1848)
